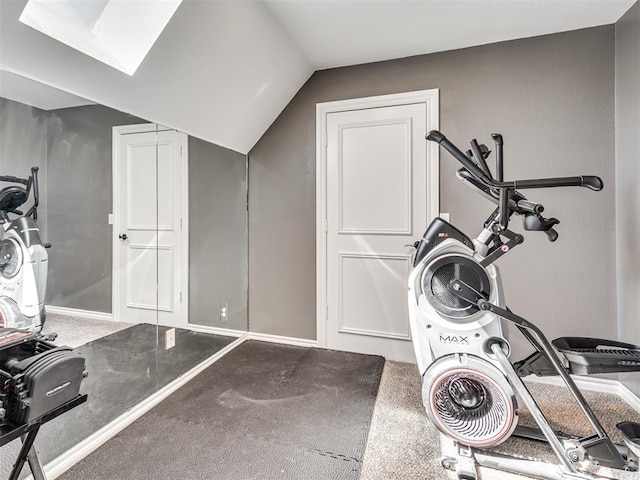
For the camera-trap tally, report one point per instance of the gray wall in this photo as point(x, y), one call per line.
point(627, 32)
point(80, 198)
point(23, 144)
point(551, 97)
point(217, 235)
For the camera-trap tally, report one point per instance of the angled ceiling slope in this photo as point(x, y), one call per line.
point(223, 70)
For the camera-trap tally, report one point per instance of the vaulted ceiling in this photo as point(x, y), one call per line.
point(223, 70)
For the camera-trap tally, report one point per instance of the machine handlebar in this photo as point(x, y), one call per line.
point(440, 139)
point(590, 181)
point(30, 183)
point(12, 179)
point(504, 193)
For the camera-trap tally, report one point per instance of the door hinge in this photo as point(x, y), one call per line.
point(180, 224)
point(326, 139)
point(326, 313)
point(180, 297)
point(326, 225)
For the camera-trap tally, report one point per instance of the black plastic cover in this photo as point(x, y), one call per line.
point(595, 355)
point(12, 197)
point(38, 377)
point(27, 230)
point(438, 232)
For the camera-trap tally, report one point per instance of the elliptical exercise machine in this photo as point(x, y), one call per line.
point(38, 380)
point(459, 325)
point(23, 258)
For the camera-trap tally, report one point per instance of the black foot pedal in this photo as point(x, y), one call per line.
point(630, 432)
point(595, 355)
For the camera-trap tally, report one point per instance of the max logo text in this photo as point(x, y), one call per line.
point(454, 339)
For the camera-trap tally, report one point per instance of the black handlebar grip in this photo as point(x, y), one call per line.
point(592, 182)
point(528, 206)
point(36, 190)
point(440, 139)
point(497, 138)
point(435, 136)
point(11, 178)
point(552, 235)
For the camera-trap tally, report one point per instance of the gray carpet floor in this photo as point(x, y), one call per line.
point(75, 331)
point(403, 445)
point(263, 411)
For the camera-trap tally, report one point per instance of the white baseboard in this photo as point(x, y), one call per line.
point(64, 462)
point(629, 397)
point(76, 312)
point(216, 330)
point(267, 337)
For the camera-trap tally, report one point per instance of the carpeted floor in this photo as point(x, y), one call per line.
point(403, 445)
point(263, 411)
point(75, 331)
point(273, 411)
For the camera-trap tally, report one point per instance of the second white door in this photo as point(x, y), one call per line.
point(377, 204)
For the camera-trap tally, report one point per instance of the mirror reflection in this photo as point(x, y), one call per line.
point(147, 270)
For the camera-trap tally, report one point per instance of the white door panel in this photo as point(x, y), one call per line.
point(377, 204)
point(374, 195)
point(370, 300)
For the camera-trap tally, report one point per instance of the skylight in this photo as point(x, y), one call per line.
point(119, 33)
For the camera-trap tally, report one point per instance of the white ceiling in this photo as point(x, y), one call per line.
point(223, 70)
point(22, 90)
point(334, 33)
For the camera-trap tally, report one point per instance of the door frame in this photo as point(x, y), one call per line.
point(119, 131)
point(431, 99)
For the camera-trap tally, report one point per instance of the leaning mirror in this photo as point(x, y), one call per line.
point(147, 270)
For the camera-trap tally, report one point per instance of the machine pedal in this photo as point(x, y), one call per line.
point(595, 355)
point(630, 432)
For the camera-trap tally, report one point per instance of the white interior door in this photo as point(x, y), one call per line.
point(377, 203)
point(149, 250)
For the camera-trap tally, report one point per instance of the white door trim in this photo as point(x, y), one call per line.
point(428, 97)
point(144, 128)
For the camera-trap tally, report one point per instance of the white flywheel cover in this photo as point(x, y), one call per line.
point(469, 400)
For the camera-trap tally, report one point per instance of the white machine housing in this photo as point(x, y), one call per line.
point(23, 283)
point(434, 334)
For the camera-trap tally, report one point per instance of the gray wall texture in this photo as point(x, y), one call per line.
point(80, 198)
point(627, 33)
point(551, 97)
point(23, 144)
point(217, 235)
